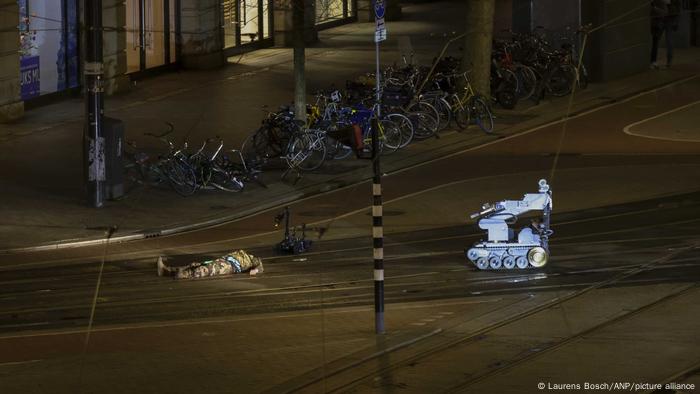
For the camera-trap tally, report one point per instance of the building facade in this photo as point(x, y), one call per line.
point(41, 41)
point(620, 48)
point(11, 106)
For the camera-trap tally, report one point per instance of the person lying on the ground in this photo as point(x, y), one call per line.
point(231, 263)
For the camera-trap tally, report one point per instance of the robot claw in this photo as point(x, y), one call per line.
point(504, 249)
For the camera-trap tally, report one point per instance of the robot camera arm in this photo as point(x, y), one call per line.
point(487, 209)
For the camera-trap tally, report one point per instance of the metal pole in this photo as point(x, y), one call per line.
point(377, 225)
point(94, 102)
point(377, 80)
point(377, 234)
point(298, 25)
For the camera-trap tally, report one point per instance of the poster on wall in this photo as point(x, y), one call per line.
point(29, 64)
point(48, 42)
point(29, 77)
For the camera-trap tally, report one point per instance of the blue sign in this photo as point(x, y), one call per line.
point(30, 77)
point(379, 9)
point(67, 56)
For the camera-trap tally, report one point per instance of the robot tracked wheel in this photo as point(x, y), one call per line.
point(506, 249)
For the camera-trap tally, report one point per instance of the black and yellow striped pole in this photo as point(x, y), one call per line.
point(377, 233)
point(377, 226)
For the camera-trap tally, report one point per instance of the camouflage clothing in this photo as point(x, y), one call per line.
point(230, 263)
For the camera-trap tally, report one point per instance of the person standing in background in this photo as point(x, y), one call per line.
point(665, 15)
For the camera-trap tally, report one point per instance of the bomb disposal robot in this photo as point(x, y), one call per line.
point(506, 250)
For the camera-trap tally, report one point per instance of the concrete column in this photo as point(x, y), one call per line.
point(555, 15)
point(503, 18)
point(365, 10)
point(522, 15)
point(11, 106)
point(202, 34)
point(283, 33)
point(477, 43)
point(365, 13)
point(114, 46)
point(623, 47)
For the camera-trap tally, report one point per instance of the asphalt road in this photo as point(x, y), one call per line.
point(421, 265)
point(618, 299)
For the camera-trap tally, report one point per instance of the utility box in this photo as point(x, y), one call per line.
point(113, 132)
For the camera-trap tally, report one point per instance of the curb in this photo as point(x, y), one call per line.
point(323, 187)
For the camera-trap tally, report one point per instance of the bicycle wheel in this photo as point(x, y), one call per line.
point(527, 81)
point(202, 170)
point(391, 135)
point(461, 116)
point(336, 150)
point(251, 154)
point(423, 125)
point(306, 152)
point(405, 126)
point(507, 90)
point(430, 110)
point(481, 113)
point(152, 174)
point(444, 111)
point(225, 180)
point(559, 81)
point(180, 176)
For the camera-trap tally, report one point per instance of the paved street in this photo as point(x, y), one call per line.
point(620, 275)
point(616, 303)
point(615, 309)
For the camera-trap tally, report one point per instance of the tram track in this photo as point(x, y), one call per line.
point(459, 388)
point(150, 251)
point(449, 345)
point(356, 291)
point(313, 297)
point(281, 263)
point(407, 280)
point(75, 284)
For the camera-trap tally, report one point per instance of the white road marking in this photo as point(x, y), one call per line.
point(19, 363)
point(627, 128)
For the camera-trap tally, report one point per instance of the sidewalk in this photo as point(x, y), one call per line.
point(41, 173)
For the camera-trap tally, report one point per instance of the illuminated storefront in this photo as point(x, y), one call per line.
point(142, 35)
point(247, 23)
point(150, 34)
point(48, 35)
point(334, 11)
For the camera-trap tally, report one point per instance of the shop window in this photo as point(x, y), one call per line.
point(48, 34)
point(245, 21)
point(249, 20)
point(330, 10)
point(150, 34)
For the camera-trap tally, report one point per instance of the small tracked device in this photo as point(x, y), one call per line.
point(506, 249)
point(291, 243)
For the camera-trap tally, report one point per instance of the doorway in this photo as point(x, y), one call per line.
point(247, 24)
point(150, 34)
